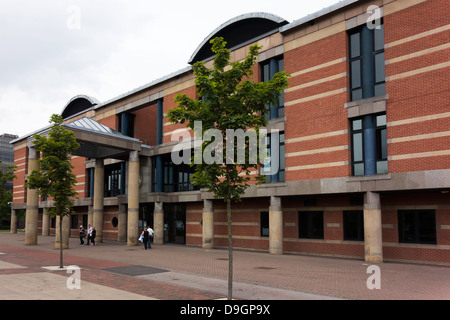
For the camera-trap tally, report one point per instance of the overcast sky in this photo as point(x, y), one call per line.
point(53, 50)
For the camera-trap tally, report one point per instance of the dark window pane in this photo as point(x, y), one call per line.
point(357, 124)
point(379, 67)
point(381, 120)
point(264, 224)
point(357, 147)
point(311, 225)
point(353, 225)
point(356, 94)
point(358, 169)
point(380, 89)
point(427, 227)
point(382, 167)
point(355, 45)
point(356, 74)
point(417, 226)
point(379, 38)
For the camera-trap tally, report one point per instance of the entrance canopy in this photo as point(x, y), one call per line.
point(99, 141)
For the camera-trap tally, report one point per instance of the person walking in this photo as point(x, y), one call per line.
point(82, 234)
point(146, 237)
point(150, 236)
point(89, 232)
point(93, 234)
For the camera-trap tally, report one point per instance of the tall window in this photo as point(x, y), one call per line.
point(268, 70)
point(367, 76)
point(369, 145)
point(353, 225)
point(417, 226)
point(278, 175)
point(174, 177)
point(113, 179)
point(264, 222)
point(310, 224)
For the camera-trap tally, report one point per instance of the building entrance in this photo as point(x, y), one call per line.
point(175, 223)
point(146, 216)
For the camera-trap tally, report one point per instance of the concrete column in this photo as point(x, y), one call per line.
point(99, 190)
point(122, 226)
point(133, 199)
point(158, 223)
point(45, 223)
point(373, 247)
point(275, 226)
point(65, 232)
point(208, 224)
point(31, 218)
point(90, 216)
point(13, 228)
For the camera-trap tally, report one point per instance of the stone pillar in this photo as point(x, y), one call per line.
point(45, 223)
point(158, 223)
point(90, 216)
point(122, 226)
point(208, 224)
point(373, 247)
point(13, 228)
point(31, 218)
point(275, 226)
point(99, 190)
point(65, 232)
point(133, 199)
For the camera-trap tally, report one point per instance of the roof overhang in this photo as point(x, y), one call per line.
point(100, 142)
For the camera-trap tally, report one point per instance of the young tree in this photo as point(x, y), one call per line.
point(55, 178)
point(229, 100)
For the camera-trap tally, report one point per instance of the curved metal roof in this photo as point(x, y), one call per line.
point(78, 104)
point(240, 31)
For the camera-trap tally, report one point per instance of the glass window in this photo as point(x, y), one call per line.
point(355, 45)
point(417, 226)
point(268, 69)
point(353, 225)
point(310, 224)
point(278, 176)
point(264, 222)
point(359, 145)
point(365, 82)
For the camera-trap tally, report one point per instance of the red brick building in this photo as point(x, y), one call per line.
point(364, 144)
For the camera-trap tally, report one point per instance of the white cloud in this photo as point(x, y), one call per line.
point(119, 45)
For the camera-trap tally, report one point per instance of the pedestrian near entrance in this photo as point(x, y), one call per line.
point(82, 234)
point(150, 236)
point(89, 233)
point(146, 237)
point(93, 234)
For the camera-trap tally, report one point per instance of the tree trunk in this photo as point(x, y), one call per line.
point(230, 242)
point(230, 252)
point(60, 243)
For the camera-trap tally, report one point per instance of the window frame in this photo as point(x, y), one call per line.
point(416, 214)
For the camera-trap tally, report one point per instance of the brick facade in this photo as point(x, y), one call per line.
point(318, 137)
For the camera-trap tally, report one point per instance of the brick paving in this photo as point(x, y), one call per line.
point(175, 272)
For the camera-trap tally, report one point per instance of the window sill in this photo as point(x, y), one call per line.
point(366, 106)
point(386, 176)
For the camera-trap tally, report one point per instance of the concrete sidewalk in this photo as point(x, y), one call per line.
point(115, 271)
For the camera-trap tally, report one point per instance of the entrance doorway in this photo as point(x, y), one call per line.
point(175, 223)
point(146, 216)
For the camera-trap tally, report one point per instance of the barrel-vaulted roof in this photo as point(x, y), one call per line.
point(239, 31)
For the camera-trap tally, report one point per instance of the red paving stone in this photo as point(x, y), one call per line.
point(324, 276)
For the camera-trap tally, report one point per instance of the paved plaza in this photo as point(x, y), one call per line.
point(115, 271)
